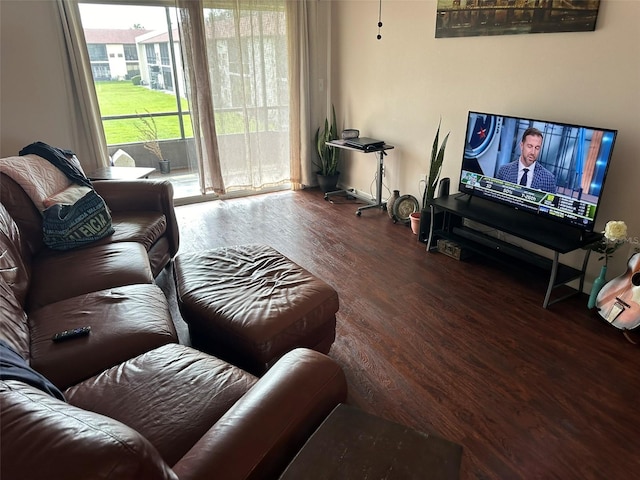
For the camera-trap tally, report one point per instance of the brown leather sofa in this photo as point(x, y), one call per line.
point(137, 405)
point(142, 212)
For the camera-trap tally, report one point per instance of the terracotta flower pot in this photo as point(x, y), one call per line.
point(415, 222)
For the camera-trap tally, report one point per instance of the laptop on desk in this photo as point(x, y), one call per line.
point(364, 143)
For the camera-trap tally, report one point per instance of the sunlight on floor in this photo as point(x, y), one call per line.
point(185, 184)
point(186, 189)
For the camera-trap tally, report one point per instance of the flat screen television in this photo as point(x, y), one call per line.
point(566, 166)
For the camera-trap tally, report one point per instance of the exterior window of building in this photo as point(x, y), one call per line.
point(101, 72)
point(151, 54)
point(167, 79)
point(97, 53)
point(133, 70)
point(165, 59)
point(130, 52)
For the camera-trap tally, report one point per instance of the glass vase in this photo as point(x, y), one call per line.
point(598, 283)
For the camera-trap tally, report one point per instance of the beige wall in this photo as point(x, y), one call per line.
point(33, 78)
point(398, 87)
point(395, 89)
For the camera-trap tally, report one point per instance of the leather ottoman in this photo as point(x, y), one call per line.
point(249, 305)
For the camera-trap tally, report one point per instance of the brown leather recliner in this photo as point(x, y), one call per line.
point(173, 412)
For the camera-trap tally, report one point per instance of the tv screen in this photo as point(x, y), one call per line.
point(555, 170)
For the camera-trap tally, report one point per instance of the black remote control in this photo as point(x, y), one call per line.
point(69, 334)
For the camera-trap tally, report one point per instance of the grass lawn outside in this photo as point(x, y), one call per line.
point(125, 98)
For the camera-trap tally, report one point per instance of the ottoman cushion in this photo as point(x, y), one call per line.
point(249, 305)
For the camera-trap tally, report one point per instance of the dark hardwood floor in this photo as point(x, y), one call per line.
point(463, 350)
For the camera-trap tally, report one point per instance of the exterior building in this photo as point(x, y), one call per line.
point(113, 54)
point(156, 67)
point(122, 54)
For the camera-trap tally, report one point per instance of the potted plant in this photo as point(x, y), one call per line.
point(431, 182)
point(149, 132)
point(327, 173)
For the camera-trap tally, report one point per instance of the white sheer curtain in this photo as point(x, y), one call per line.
point(90, 142)
point(300, 103)
point(193, 36)
point(247, 85)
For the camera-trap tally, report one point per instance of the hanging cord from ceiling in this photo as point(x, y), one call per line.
point(379, 36)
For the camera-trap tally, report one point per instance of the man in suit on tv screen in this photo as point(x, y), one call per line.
point(526, 171)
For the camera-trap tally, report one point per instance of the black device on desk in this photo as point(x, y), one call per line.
point(364, 143)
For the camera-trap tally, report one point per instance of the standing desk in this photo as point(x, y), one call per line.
point(381, 152)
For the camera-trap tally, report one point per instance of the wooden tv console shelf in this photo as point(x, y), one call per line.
point(546, 233)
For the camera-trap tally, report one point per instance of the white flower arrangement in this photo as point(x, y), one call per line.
point(615, 234)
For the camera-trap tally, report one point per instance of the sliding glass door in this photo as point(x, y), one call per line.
point(137, 64)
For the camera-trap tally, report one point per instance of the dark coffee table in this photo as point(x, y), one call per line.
point(352, 444)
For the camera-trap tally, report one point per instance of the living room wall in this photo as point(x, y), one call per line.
point(398, 88)
point(33, 78)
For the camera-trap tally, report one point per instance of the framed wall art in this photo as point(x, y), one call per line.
point(466, 18)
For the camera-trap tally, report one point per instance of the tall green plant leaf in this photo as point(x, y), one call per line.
point(329, 156)
point(437, 158)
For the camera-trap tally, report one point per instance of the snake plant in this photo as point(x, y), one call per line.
point(328, 164)
point(437, 157)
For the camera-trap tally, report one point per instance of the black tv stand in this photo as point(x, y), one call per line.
point(461, 197)
point(558, 238)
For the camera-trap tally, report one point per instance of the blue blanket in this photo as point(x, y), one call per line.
point(14, 367)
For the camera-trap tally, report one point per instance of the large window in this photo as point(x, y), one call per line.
point(145, 79)
point(248, 62)
point(125, 83)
